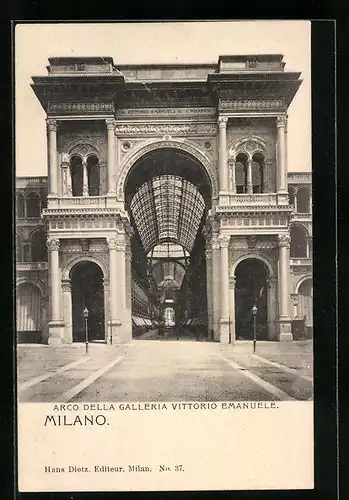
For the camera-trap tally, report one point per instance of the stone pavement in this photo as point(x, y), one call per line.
point(166, 370)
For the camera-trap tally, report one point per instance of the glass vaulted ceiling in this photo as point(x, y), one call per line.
point(167, 208)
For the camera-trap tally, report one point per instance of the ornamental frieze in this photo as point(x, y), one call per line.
point(262, 221)
point(145, 129)
point(80, 107)
point(236, 105)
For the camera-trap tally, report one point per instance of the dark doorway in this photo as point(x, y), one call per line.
point(168, 195)
point(87, 291)
point(251, 289)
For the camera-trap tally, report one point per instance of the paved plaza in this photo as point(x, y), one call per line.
point(165, 370)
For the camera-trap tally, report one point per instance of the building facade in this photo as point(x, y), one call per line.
point(168, 198)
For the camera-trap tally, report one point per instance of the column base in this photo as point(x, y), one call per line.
point(285, 332)
point(224, 330)
point(114, 332)
point(55, 333)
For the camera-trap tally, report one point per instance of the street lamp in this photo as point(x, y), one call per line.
point(86, 311)
point(254, 312)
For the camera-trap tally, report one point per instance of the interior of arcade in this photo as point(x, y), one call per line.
point(167, 196)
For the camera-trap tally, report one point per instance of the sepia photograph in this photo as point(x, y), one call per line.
point(163, 200)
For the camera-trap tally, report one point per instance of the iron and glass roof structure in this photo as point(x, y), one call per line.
point(167, 208)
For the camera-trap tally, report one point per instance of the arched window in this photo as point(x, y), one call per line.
point(26, 252)
point(241, 173)
point(76, 173)
point(299, 246)
point(38, 247)
point(93, 175)
point(303, 200)
point(257, 173)
point(20, 205)
point(19, 248)
point(291, 195)
point(33, 205)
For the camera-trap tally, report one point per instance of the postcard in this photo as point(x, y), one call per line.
point(164, 317)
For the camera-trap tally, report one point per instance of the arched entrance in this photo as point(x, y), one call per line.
point(87, 291)
point(251, 289)
point(305, 302)
point(167, 194)
point(29, 313)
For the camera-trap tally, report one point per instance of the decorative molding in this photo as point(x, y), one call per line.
point(250, 104)
point(52, 244)
point(161, 129)
point(199, 155)
point(251, 240)
point(84, 244)
point(81, 107)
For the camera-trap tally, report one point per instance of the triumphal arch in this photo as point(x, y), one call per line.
point(168, 197)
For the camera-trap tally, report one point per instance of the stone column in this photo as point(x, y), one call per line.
point(56, 324)
point(233, 178)
point(281, 145)
point(52, 146)
point(114, 306)
point(223, 167)
point(224, 275)
point(111, 157)
point(121, 260)
point(208, 255)
point(67, 312)
point(84, 178)
point(216, 289)
point(128, 290)
point(249, 176)
point(272, 306)
point(294, 298)
point(295, 201)
point(284, 287)
point(232, 282)
point(106, 311)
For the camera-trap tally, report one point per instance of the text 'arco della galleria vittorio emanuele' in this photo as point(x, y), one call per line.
point(168, 201)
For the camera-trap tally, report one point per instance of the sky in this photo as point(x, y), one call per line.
point(160, 42)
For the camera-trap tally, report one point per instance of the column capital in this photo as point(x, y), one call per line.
point(232, 282)
point(52, 244)
point(112, 243)
point(66, 285)
point(215, 242)
point(208, 253)
point(281, 121)
point(284, 240)
point(271, 281)
point(52, 124)
point(224, 241)
point(110, 122)
point(222, 121)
